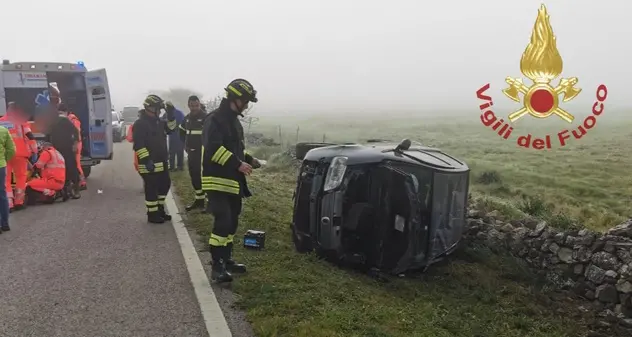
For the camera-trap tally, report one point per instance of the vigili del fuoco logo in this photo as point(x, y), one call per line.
point(541, 63)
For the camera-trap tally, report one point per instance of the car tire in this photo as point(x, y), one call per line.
point(303, 148)
point(86, 171)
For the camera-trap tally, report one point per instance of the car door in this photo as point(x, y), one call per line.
point(397, 217)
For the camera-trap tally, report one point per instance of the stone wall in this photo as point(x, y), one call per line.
point(595, 266)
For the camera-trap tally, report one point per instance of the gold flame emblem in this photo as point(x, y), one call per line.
point(541, 63)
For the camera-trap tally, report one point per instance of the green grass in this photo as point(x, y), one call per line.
point(474, 293)
point(585, 183)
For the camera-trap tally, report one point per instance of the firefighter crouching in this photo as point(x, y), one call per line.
point(225, 166)
point(49, 176)
point(191, 135)
point(16, 122)
point(150, 146)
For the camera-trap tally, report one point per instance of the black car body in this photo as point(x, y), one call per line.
point(387, 209)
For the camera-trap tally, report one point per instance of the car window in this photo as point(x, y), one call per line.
point(115, 117)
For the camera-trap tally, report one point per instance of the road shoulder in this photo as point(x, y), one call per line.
point(223, 297)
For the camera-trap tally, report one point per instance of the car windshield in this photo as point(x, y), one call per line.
point(115, 117)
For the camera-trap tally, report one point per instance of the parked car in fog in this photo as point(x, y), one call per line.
point(118, 131)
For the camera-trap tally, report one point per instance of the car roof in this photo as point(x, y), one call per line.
point(376, 152)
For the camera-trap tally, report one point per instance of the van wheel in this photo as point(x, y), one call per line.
point(86, 171)
point(303, 148)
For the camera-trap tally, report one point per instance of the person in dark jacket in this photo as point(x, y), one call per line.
point(150, 145)
point(64, 136)
point(176, 146)
point(225, 165)
point(191, 135)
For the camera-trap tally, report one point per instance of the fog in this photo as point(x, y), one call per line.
point(340, 56)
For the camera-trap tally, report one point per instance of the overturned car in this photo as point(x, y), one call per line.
point(386, 207)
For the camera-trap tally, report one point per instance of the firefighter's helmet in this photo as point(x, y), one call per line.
point(242, 89)
point(154, 101)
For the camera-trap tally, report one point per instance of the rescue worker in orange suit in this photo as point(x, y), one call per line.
point(130, 138)
point(25, 149)
point(77, 123)
point(50, 175)
point(225, 165)
point(150, 146)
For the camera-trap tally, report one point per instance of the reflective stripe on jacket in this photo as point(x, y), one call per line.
point(52, 165)
point(223, 150)
point(24, 147)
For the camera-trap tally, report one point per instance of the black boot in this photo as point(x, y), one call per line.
point(154, 217)
point(219, 273)
point(163, 213)
point(5, 228)
point(197, 204)
point(231, 265)
point(75, 191)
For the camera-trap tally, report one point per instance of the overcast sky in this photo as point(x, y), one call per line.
point(324, 55)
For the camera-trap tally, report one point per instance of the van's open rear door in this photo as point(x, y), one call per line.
point(3, 101)
point(101, 145)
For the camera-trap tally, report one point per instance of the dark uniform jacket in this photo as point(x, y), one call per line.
point(150, 141)
point(223, 151)
point(191, 131)
point(63, 134)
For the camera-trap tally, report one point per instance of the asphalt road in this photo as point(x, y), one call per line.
point(94, 266)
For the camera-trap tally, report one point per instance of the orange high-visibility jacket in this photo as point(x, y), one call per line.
point(131, 140)
point(24, 147)
point(51, 164)
point(75, 121)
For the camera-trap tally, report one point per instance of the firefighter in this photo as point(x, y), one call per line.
point(150, 146)
point(25, 148)
point(191, 135)
point(77, 123)
point(225, 166)
point(50, 171)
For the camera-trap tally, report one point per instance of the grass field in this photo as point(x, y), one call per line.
point(288, 294)
point(585, 183)
point(474, 293)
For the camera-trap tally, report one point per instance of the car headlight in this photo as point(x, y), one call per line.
point(335, 173)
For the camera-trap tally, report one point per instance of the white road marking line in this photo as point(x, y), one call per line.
point(214, 320)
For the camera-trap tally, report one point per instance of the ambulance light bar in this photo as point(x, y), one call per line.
point(44, 66)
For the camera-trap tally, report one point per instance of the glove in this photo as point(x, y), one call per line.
point(170, 110)
point(150, 166)
point(33, 158)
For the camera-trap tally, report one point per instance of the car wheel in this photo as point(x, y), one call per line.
point(303, 148)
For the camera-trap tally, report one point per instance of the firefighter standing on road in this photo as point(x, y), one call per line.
point(150, 145)
point(191, 135)
point(225, 166)
point(25, 149)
